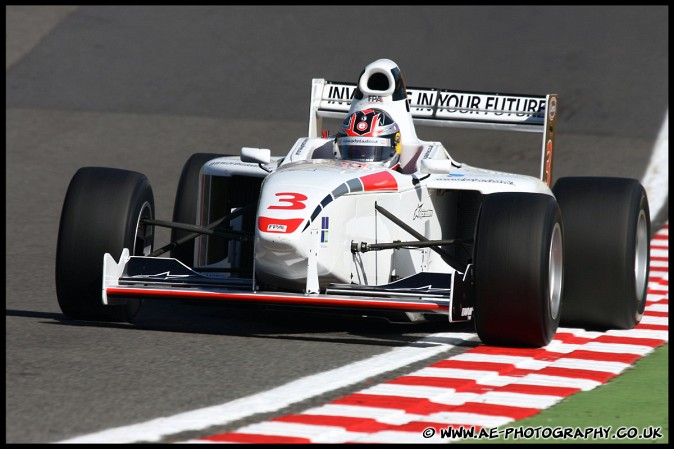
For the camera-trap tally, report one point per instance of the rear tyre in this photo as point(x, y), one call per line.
point(607, 255)
point(518, 269)
point(185, 207)
point(101, 214)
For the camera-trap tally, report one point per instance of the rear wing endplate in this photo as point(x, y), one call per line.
point(439, 107)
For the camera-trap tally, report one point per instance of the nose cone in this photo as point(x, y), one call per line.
point(295, 200)
point(288, 201)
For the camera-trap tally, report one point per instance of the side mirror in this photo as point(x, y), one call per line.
point(256, 155)
point(436, 166)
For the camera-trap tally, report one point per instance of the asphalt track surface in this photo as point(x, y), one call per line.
point(143, 88)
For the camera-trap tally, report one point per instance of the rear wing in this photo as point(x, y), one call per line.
point(439, 107)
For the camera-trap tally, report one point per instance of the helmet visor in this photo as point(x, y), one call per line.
point(365, 149)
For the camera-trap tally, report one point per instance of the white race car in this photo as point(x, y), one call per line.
point(371, 219)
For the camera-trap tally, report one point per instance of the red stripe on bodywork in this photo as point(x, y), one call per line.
point(291, 224)
point(271, 298)
point(379, 181)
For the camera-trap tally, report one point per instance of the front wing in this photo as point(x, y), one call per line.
point(167, 278)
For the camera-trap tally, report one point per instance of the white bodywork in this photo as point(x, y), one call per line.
point(313, 206)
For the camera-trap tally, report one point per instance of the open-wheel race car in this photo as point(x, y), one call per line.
point(370, 220)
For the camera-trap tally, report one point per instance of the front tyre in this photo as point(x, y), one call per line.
point(518, 269)
point(102, 213)
point(607, 248)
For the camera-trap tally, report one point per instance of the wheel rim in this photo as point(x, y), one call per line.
point(641, 257)
point(143, 239)
point(555, 272)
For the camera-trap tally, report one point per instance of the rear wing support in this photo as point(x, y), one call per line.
point(438, 107)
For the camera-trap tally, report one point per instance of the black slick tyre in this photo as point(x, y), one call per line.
point(101, 213)
point(607, 251)
point(518, 269)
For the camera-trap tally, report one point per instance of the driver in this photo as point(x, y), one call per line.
point(370, 135)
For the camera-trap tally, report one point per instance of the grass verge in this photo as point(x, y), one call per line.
point(634, 404)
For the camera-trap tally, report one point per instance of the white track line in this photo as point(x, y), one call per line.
point(280, 397)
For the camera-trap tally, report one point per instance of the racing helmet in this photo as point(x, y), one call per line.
point(369, 135)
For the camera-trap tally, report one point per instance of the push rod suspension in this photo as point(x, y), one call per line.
point(201, 230)
point(225, 233)
point(364, 247)
point(458, 266)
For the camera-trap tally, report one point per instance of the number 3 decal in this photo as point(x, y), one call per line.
point(294, 200)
